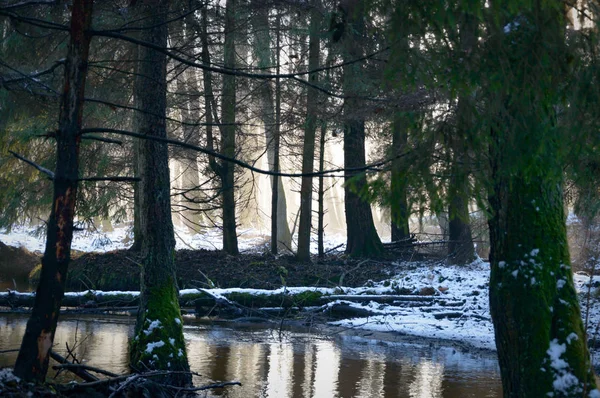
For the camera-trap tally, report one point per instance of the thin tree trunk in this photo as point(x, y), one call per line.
point(276, 183)
point(158, 342)
point(399, 206)
point(188, 90)
point(230, 244)
point(281, 236)
point(33, 358)
point(362, 239)
point(460, 241)
point(321, 194)
point(308, 152)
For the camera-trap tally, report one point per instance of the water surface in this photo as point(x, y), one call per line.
point(289, 364)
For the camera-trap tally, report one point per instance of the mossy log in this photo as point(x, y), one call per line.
point(206, 302)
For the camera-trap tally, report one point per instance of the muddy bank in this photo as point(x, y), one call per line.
point(120, 270)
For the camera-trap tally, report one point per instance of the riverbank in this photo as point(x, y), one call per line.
point(420, 299)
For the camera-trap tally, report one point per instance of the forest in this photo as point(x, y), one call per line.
point(426, 169)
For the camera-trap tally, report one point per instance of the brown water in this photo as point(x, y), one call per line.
point(295, 364)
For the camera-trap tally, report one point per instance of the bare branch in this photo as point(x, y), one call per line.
point(32, 163)
point(114, 179)
point(370, 167)
point(102, 139)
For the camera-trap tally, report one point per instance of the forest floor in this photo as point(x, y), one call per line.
point(419, 298)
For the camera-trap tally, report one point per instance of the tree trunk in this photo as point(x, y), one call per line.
point(362, 238)
point(32, 361)
point(280, 228)
point(533, 301)
point(540, 337)
point(399, 205)
point(158, 342)
point(308, 152)
point(230, 244)
point(460, 240)
point(138, 234)
point(187, 88)
point(321, 194)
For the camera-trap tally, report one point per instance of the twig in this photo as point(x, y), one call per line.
point(32, 163)
point(78, 371)
point(114, 179)
point(333, 248)
point(71, 366)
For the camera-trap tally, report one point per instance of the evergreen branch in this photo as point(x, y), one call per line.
point(40, 23)
point(29, 77)
point(353, 170)
point(32, 163)
point(28, 3)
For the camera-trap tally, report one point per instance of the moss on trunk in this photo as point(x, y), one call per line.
point(158, 341)
point(539, 333)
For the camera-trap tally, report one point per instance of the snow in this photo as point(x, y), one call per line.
point(152, 346)
point(465, 286)
point(121, 237)
point(555, 351)
point(153, 325)
point(7, 376)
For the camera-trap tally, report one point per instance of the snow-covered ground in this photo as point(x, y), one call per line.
point(121, 237)
point(460, 311)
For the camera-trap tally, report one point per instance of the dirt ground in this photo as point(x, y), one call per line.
point(119, 270)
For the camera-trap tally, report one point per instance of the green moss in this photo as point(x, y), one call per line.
point(532, 297)
point(158, 343)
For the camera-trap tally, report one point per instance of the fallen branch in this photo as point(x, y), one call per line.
point(72, 366)
point(85, 375)
point(207, 387)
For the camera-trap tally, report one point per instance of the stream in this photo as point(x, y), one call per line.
point(290, 363)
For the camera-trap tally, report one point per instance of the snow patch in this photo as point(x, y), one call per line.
point(152, 346)
point(7, 376)
point(153, 325)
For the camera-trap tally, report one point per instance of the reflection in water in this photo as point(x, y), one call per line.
point(326, 370)
point(299, 365)
point(280, 376)
point(428, 380)
point(371, 382)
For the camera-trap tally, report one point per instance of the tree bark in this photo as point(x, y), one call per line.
point(533, 302)
point(32, 361)
point(308, 151)
point(362, 238)
point(228, 99)
point(138, 233)
point(158, 342)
